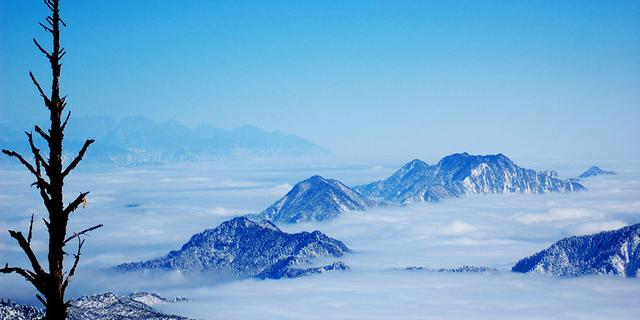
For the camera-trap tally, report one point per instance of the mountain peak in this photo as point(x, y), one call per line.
point(595, 171)
point(315, 199)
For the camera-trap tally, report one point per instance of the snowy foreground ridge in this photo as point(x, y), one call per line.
point(614, 252)
point(463, 174)
point(245, 248)
point(107, 306)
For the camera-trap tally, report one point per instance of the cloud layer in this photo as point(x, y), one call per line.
point(149, 211)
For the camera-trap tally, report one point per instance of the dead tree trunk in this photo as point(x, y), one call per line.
point(53, 283)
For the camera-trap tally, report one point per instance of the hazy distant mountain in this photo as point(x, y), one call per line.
point(140, 140)
point(315, 199)
point(614, 252)
point(245, 248)
point(463, 174)
point(107, 306)
point(595, 171)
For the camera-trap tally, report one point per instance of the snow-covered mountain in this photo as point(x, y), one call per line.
point(283, 269)
point(614, 252)
point(106, 306)
point(315, 199)
point(595, 171)
point(463, 174)
point(13, 311)
point(244, 248)
point(138, 140)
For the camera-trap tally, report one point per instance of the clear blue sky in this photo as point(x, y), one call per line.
point(392, 79)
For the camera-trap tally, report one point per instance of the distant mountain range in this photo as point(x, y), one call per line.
point(138, 140)
point(463, 174)
point(611, 252)
point(595, 171)
point(315, 199)
point(107, 306)
point(244, 248)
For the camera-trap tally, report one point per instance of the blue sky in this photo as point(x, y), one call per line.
point(382, 79)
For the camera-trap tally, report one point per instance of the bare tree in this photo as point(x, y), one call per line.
point(53, 283)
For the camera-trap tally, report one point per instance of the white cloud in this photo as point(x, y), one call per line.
point(494, 231)
point(458, 228)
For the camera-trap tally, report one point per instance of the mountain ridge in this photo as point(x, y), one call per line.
point(615, 252)
point(244, 248)
point(462, 174)
point(140, 140)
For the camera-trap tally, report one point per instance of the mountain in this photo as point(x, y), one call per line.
point(244, 248)
point(13, 311)
point(151, 299)
point(107, 306)
point(614, 252)
point(315, 199)
point(283, 269)
point(463, 174)
point(137, 140)
point(595, 171)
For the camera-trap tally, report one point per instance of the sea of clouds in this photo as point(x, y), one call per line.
point(148, 211)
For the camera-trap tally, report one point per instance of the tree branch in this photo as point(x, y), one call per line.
point(49, 4)
point(47, 101)
point(75, 203)
point(40, 182)
point(78, 234)
point(30, 230)
point(42, 133)
point(64, 124)
point(45, 27)
point(36, 153)
point(24, 273)
point(23, 161)
point(75, 161)
point(26, 247)
point(49, 56)
point(72, 271)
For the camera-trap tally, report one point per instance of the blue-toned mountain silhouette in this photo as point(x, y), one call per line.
point(595, 171)
point(138, 140)
point(246, 248)
point(463, 174)
point(614, 252)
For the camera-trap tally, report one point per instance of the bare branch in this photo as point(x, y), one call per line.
point(46, 223)
point(64, 124)
point(75, 203)
point(36, 153)
point(30, 230)
point(47, 101)
point(72, 271)
point(40, 182)
point(49, 4)
point(24, 273)
point(42, 133)
point(75, 161)
point(78, 234)
point(23, 161)
point(42, 49)
point(45, 27)
point(41, 299)
point(26, 247)
point(62, 53)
